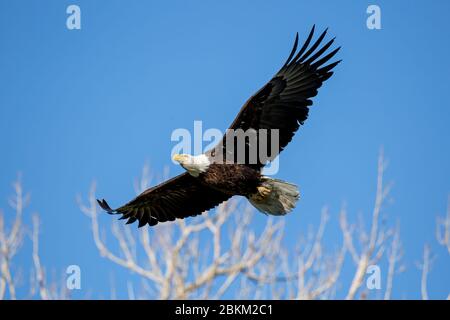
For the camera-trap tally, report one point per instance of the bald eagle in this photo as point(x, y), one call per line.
point(211, 178)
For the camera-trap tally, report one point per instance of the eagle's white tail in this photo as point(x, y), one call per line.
point(275, 197)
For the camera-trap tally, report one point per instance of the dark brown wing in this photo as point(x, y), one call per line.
point(180, 197)
point(283, 103)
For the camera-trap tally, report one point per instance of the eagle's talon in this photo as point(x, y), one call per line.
point(261, 194)
point(263, 191)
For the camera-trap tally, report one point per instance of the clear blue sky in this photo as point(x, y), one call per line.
point(99, 102)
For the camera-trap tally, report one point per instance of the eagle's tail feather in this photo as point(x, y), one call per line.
point(275, 197)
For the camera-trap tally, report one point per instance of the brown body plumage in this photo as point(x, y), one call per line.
point(232, 179)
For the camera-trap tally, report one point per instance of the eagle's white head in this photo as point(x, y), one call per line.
point(193, 164)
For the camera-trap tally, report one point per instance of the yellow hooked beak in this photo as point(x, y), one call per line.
point(177, 157)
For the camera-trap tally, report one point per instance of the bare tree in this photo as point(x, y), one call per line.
point(317, 273)
point(203, 257)
point(176, 264)
point(223, 253)
point(10, 243)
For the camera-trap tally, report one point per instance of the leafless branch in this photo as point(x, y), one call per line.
point(198, 259)
point(443, 229)
point(373, 248)
point(393, 260)
point(40, 277)
point(425, 267)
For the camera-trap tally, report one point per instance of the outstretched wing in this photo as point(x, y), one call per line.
point(180, 197)
point(283, 103)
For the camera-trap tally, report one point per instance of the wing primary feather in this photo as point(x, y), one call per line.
point(142, 222)
point(104, 205)
point(152, 222)
point(306, 44)
point(329, 67)
point(292, 52)
point(320, 52)
point(313, 47)
point(140, 213)
point(131, 220)
point(323, 60)
point(326, 76)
